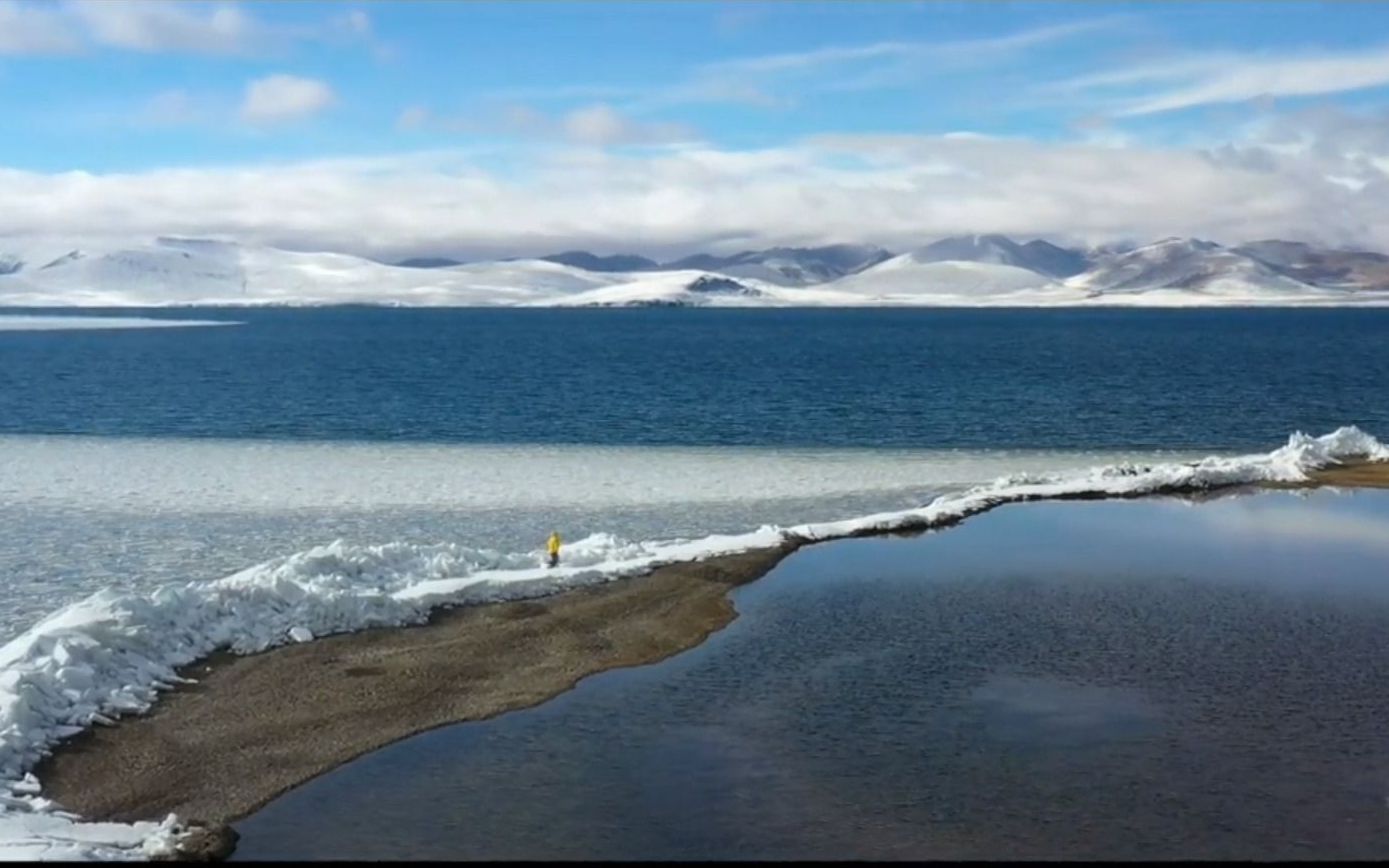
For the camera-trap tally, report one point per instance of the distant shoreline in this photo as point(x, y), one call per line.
point(254, 727)
point(1375, 303)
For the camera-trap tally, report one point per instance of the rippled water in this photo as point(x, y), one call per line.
point(1148, 679)
point(930, 379)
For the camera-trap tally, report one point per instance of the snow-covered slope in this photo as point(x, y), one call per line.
point(1040, 256)
point(1200, 269)
point(912, 279)
point(692, 288)
point(789, 266)
point(1056, 261)
point(194, 271)
point(670, 289)
point(1352, 269)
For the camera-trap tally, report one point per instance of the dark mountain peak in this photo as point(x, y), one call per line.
point(700, 261)
point(714, 284)
point(999, 249)
point(794, 266)
point(1179, 241)
point(1322, 266)
point(70, 256)
point(1048, 258)
point(428, 262)
point(593, 262)
point(1040, 256)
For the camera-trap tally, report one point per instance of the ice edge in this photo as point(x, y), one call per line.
point(112, 654)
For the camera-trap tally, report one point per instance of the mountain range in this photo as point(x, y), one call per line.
point(784, 266)
point(966, 270)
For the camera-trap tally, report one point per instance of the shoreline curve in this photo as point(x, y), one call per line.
point(253, 727)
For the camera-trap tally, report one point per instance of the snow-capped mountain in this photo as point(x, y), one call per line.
point(198, 271)
point(968, 271)
point(1040, 256)
point(918, 278)
point(1056, 261)
point(690, 288)
point(789, 266)
point(1201, 268)
point(1329, 268)
point(32, 255)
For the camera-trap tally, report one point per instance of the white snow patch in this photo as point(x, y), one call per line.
point(75, 323)
point(907, 280)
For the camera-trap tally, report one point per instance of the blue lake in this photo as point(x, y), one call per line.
point(1053, 379)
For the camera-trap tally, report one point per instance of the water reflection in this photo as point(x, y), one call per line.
point(1078, 680)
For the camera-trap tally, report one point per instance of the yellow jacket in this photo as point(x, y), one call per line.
point(554, 543)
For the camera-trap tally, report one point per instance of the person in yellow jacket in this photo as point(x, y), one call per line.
point(553, 547)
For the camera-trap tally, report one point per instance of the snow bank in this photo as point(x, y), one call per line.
point(1291, 463)
point(75, 323)
point(111, 653)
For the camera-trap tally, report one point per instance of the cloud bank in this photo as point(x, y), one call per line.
point(1321, 177)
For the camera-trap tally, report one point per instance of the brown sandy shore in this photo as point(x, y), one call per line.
point(254, 727)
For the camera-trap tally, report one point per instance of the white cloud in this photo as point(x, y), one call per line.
point(355, 26)
point(31, 28)
point(597, 125)
point(412, 118)
point(358, 22)
point(164, 26)
point(603, 125)
point(153, 26)
point(734, 20)
point(1188, 81)
point(898, 191)
point(775, 80)
point(992, 48)
point(278, 98)
point(169, 108)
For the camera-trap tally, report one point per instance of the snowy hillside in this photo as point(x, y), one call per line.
point(670, 289)
point(916, 278)
point(790, 266)
point(189, 271)
point(1040, 256)
point(966, 271)
point(1200, 269)
point(1328, 268)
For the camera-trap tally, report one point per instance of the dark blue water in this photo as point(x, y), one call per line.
point(922, 378)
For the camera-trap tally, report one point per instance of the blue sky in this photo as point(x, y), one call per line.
point(560, 115)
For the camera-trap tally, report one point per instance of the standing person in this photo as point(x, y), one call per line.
point(553, 546)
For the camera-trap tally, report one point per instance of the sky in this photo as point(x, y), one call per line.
point(522, 128)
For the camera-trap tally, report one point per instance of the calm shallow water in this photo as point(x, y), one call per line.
point(1149, 679)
